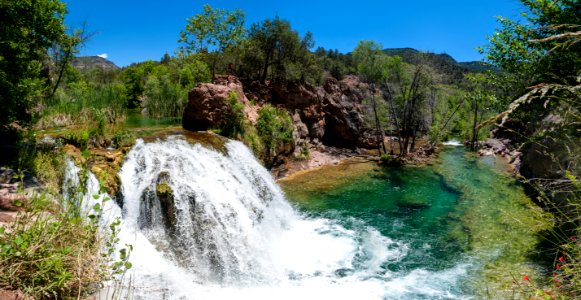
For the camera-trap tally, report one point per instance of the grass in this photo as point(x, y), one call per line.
point(564, 242)
point(164, 99)
point(50, 256)
point(83, 104)
point(54, 250)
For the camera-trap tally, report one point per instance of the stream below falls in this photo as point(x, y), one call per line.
point(213, 224)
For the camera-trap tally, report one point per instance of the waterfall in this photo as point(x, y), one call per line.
point(209, 224)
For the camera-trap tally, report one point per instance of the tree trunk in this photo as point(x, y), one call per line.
point(265, 68)
point(413, 145)
point(377, 123)
point(394, 119)
point(64, 63)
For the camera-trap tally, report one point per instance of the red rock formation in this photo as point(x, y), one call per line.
point(345, 126)
point(332, 114)
point(208, 103)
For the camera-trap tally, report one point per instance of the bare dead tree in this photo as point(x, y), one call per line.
point(63, 51)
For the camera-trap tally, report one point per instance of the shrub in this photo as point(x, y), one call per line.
point(275, 127)
point(49, 168)
point(235, 120)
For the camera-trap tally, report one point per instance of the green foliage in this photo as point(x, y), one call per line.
point(274, 127)
point(29, 28)
point(78, 137)
point(333, 63)
point(411, 95)
point(529, 51)
point(189, 71)
point(123, 138)
point(165, 92)
point(481, 102)
point(275, 51)
point(49, 169)
point(212, 33)
point(235, 119)
point(58, 255)
point(218, 28)
point(546, 50)
point(82, 104)
point(40, 258)
point(369, 59)
point(163, 98)
point(134, 77)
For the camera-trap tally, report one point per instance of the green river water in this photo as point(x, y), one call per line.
point(460, 217)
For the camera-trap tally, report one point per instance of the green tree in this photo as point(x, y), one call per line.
point(213, 32)
point(29, 28)
point(189, 70)
point(134, 78)
point(481, 101)
point(407, 89)
point(369, 58)
point(165, 90)
point(274, 50)
point(545, 48)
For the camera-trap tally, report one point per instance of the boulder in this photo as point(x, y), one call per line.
point(208, 104)
point(343, 107)
point(7, 217)
point(166, 199)
point(306, 101)
point(549, 157)
point(332, 113)
point(497, 146)
point(158, 204)
point(544, 159)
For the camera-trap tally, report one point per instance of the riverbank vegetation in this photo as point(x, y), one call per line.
point(540, 89)
point(528, 93)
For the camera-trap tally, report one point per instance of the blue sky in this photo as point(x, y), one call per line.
point(130, 31)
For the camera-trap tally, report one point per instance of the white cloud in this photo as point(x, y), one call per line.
point(104, 55)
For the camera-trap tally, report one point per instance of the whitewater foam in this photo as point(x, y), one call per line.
point(236, 236)
point(452, 143)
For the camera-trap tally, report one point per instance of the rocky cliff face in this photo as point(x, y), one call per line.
point(331, 114)
point(345, 126)
point(208, 104)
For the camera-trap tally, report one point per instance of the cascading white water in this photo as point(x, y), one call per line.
point(223, 230)
point(452, 142)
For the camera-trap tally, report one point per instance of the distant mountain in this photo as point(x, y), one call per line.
point(446, 65)
point(83, 63)
point(479, 66)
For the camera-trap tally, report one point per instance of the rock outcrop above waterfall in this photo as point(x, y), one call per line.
point(331, 114)
point(209, 104)
point(104, 163)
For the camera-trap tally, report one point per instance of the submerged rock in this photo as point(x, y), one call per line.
point(166, 199)
point(412, 201)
